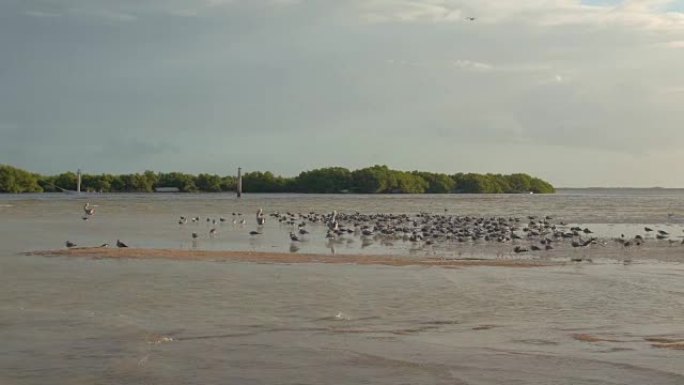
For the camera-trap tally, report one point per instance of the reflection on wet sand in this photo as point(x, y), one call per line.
point(265, 257)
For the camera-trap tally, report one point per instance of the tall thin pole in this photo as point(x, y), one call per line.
point(239, 182)
point(78, 181)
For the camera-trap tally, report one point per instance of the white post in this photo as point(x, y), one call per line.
point(239, 182)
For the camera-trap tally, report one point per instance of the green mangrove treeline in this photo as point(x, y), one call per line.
point(369, 180)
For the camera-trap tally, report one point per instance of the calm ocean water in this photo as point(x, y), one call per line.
point(80, 321)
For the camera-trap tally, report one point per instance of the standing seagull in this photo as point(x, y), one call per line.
point(260, 217)
point(89, 210)
point(120, 244)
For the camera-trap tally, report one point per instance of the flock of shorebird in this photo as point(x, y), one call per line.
point(521, 234)
point(89, 211)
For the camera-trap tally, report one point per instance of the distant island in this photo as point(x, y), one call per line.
point(370, 180)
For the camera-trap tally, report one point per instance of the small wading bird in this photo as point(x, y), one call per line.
point(120, 244)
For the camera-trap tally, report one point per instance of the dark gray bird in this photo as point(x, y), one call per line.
point(70, 244)
point(120, 244)
point(294, 237)
point(254, 232)
point(470, 18)
point(194, 235)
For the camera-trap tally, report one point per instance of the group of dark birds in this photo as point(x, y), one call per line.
point(70, 244)
point(521, 234)
point(89, 211)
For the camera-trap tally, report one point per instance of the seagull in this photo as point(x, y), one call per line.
point(212, 232)
point(89, 210)
point(70, 244)
point(260, 217)
point(294, 237)
point(120, 244)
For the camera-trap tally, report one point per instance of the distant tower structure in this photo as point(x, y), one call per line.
point(78, 181)
point(239, 182)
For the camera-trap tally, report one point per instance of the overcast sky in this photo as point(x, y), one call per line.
point(579, 93)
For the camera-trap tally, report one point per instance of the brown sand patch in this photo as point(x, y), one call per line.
point(484, 327)
point(666, 343)
point(270, 257)
point(673, 345)
point(590, 338)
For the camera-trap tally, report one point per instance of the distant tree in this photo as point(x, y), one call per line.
point(369, 180)
point(437, 183)
point(539, 186)
point(376, 179)
point(183, 182)
point(258, 181)
point(66, 181)
point(228, 183)
point(14, 180)
point(520, 183)
point(324, 180)
point(208, 182)
point(407, 183)
point(474, 184)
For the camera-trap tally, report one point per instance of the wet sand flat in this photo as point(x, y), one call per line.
point(270, 257)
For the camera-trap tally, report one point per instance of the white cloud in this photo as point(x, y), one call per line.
point(472, 65)
point(643, 14)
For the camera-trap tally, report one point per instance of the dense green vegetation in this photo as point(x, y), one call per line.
point(369, 180)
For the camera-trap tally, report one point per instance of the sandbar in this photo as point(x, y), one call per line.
point(282, 258)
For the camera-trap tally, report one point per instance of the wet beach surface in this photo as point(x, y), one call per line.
point(612, 318)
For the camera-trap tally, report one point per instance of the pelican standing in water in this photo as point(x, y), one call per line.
point(260, 217)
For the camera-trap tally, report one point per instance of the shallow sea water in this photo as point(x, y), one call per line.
point(83, 321)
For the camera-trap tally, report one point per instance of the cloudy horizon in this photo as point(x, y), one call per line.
point(578, 93)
